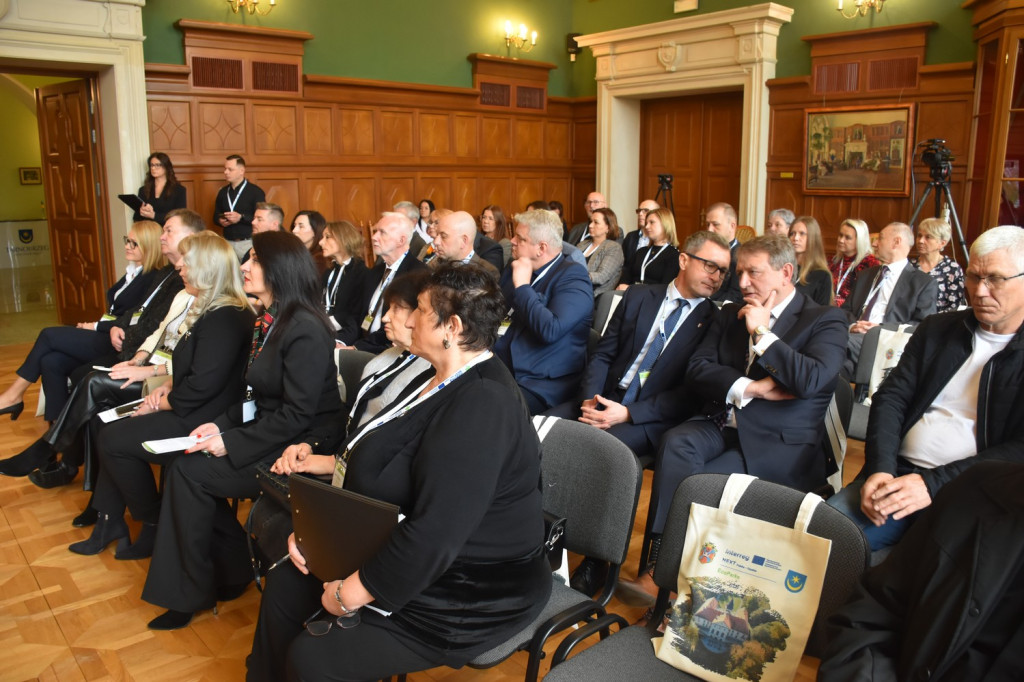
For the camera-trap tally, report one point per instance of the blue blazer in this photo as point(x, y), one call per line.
point(780, 440)
point(545, 346)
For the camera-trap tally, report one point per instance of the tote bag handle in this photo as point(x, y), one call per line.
point(738, 484)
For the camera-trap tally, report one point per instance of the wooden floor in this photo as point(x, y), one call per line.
point(69, 617)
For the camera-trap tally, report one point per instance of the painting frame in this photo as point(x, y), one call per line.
point(859, 150)
point(30, 176)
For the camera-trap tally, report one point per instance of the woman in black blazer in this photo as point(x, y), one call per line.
point(58, 351)
point(160, 192)
point(342, 242)
point(200, 554)
point(204, 377)
point(658, 262)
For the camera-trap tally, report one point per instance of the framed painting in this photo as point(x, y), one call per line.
point(30, 176)
point(865, 151)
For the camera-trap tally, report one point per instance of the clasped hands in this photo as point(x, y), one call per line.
point(884, 495)
point(154, 401)
point(299, 458)
point(603, 413)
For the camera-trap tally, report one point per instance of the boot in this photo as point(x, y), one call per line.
point(642, 591)
point(142, 548)
point(28, 460)
point(54, 474)
point(171, 620)
point(106, 531)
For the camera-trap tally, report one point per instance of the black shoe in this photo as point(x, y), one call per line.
point(28, 460)
point(107, 530)
point(142, 548)
point(171, 620)
point(86, 518)
point(54, 474)
point(589, 576)
point(232, 592)
point(14, 410)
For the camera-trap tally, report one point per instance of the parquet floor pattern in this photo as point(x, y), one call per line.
point(68, 617)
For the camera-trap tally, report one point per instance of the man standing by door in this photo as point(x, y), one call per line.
point(236, 205)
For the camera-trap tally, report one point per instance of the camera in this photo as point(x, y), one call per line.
point(665, 182)
point(937, 156)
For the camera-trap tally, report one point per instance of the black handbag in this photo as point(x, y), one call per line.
point(554, 540)
point(269, 523)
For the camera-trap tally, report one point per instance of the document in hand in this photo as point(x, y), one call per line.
point(337, 530)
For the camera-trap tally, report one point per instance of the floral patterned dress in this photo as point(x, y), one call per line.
point(951, 283)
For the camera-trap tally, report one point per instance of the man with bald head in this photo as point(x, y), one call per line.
point(720, 218)
point(390, 239)
point(579, 231)
point(456, 233)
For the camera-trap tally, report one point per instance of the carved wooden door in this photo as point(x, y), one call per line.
point(697, 140)
point(67, 130)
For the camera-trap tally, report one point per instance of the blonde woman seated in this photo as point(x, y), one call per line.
point(853, 256)
point(658, 262)
point(602, 253)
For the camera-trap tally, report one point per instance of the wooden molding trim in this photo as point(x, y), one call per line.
point(510, 67)
point(881, 39)
point(211, 35)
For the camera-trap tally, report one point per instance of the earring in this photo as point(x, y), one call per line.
point(446, 343)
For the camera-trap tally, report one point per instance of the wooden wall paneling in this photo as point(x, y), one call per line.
point(557, 189)
point(317, 130)
point(495, 139)
point(207, 186)
point(496, 191)
point(669, 130)
point(437, 188)
point(356, 132)
point(528, 139)
point(435, 134)
point(396, 129)
point(784, 193)
point(584, 141)
point(222, 129)
point(786, 142)
point(317, 194)
point(356, 199)
point(190, 194)
point(556, 140)
point(464, 194)
point(281, 189)
point(722, 120)
point(274, 129)
point(527, 189)
point(170, 127)
point(467, 133)
point(397, 188)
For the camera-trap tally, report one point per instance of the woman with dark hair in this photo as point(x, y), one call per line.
point(58, 351)
point(658, 262)
point(603, 253)
point(200, 555)
point(465, 569)
point(343, 283)
point(426, 207)
point(161, 192)
point(813, 278)
point(204, 378)
point(308, 226)
point(496, 226)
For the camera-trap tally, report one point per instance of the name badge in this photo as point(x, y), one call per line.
point(338, 479)
point(334, 323)
point(643, 377)
point(135, 319)
point(503, 327)
point(248, 411)
point(367, 323)
point(108, 318)
point(161, 357)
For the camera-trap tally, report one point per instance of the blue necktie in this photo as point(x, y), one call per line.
point(657, 345)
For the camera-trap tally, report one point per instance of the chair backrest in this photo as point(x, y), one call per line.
point(777, 504)
point(744, 233)
point(604, 307)
point(350, 371)
point(869, 351)
point(592, 480)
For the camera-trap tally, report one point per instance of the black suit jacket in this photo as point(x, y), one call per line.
point(663, 401)
point(915, 297)
point(730, 289)
point(490, 250)
point(132, 296)
point(629, 246)
point(152, 314)
point(377, 341)
point(246, 206)
point(163, 204)
point(346, 305)
point(577, 232)
point(662, 269)
point(780, 440)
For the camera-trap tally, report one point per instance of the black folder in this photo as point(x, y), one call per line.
point(337, 530)
point(132, 201)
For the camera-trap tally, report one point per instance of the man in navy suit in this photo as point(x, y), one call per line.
point(543, 339)
point(637, 398)
point(721, 219)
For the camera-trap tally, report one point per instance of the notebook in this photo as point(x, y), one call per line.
point(131, 201)
point(337, 530)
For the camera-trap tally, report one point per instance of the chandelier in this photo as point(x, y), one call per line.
point(860, 7)
point(253, 6)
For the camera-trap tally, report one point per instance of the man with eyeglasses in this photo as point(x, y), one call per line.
point(637, 239)
point(766, 372)
point(953, 400)
point(579, 231)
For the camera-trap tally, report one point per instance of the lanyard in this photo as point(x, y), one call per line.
point(843, 275)
point(538, 278)
point(231, 204)
point(173, 331)
point(395, 367)
point(330, 293)
point(378, 295)
point(648, 259)
point(411, 401)
point(876, 285)
point(146, 302)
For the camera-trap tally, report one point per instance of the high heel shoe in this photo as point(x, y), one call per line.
point(14, 410)
point(28, 460)
point(107, 530)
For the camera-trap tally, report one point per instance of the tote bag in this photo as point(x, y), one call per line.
point(748, 592)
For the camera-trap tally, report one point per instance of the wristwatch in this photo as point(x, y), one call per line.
point(761, 331)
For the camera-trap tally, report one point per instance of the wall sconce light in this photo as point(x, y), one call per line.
point(860, 7)
point(252, 6)
point(523, 39)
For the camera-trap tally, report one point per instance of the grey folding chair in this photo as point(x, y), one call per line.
point(350, 371)
point(604, 307)
point(628, 654)
point(858, 426)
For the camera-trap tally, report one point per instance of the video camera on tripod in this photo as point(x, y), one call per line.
point(938, 157)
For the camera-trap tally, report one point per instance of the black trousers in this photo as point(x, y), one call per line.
point(200, 545)
point(57, 352)
point(281, 649)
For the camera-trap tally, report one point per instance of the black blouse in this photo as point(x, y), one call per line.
point(163, 204)
point(662, 268)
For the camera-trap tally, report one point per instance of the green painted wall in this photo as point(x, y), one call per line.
point(19, 138)
point(427, 41)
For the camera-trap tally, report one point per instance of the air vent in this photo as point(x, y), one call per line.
point(209, 72)
point(529, 98)
point(892, 74)
point(275, 77)
point(835, 78)
point(495, 94)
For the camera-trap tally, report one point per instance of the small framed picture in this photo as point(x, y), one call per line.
point(30, 176)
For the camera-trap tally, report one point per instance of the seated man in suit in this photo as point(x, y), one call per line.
point(637, 239)
point(543, 339)
point(891, 292)
point(390, 240)
point(580, 231)
point(954, 399)
point(720, 218)
point(767, 371)
point(454, 242)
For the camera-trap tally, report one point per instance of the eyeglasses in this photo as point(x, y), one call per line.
point(642, 211)
point(156, 164)
point(593, 202)
point(993, 282)
point(130, 242)
point(710, 267)
point(319, 628)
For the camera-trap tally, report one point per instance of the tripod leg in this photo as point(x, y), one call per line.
point(920, 204)
point(956, 222)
